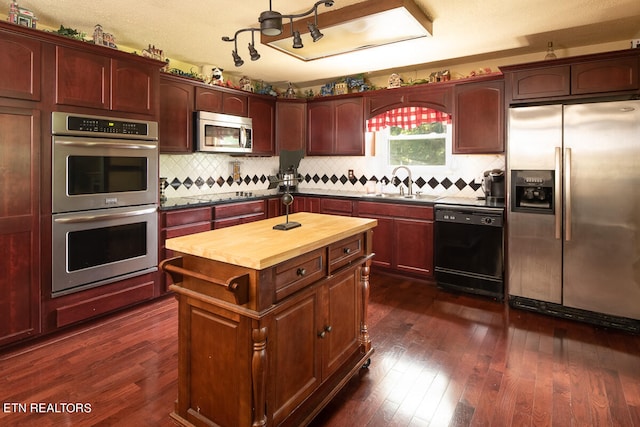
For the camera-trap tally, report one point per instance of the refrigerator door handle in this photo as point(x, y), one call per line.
point(567, 192)
point(557, 195)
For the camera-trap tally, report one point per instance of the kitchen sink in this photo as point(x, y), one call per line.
point(421, 197)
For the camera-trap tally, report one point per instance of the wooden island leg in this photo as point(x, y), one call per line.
point(259, 374)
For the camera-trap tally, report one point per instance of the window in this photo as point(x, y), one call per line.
point(425, 145)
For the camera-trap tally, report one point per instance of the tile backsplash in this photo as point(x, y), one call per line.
point(205, 173)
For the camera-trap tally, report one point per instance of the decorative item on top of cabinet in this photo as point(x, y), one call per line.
point(478, 119)
point(336, 127)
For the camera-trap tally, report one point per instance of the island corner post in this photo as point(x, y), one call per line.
point(272, 323)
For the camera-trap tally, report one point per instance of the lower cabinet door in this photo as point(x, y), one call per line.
point(414, 246)
point(342, 327)
point(293, 354)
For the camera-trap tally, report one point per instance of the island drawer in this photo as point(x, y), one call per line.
point(345, 251)
point(295, 274)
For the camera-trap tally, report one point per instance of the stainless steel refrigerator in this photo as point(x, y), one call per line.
point(573, 194)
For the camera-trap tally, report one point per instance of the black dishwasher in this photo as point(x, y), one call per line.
point(468, 246)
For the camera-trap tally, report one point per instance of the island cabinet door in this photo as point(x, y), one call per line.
point(293, 354)
point(341, 328)
point(215, 354)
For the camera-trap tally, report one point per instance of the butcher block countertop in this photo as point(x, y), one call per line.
point(257, 245)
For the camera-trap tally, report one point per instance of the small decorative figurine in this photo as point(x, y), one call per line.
point(21, 16)
point(394, 81)
point(290, 92)
point(104, 39)
point(245, 84)
point(153, 52)
point(216, 77)
point(327, 89)
point(341, 88)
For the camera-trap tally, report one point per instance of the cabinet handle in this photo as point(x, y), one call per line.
point(325, 331)
point(347, 251)
point(301, 272)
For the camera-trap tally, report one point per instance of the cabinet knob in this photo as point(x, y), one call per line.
point(328, 328)
point(301, 272)
point(347, 251)
point(322, 334)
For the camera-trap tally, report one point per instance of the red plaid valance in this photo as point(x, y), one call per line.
point(406, 118)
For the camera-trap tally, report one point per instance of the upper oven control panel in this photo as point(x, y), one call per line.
point(97, 126)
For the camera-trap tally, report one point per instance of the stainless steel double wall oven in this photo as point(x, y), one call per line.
point(104, 200)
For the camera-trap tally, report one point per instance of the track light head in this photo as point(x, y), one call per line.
point(297, 40)
point(236, 59)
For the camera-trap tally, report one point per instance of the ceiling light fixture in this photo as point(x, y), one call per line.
point(271, 25)
point(364, 25)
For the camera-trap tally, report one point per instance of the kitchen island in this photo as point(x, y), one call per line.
point(272, 323)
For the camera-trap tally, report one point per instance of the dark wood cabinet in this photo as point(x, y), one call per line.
point(20, 67)
point(336, 127)
point(579, 77)
point(176, 111)
point(221, 100)
point(82, 78)
point(436, 96)
point(609, 75)
point(262, 111)
point(180, 222)
point(540, 82)
point(478, 119)
point(238, 213)
point(19, 223)
point(291, 124)
point(403, 238)
point(134, 87)
point(336, 206)
point(280, 356)
point(98, 81)
point(304, 204)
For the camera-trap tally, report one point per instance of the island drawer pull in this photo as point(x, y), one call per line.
point(237, 285)
point(301, 271)
point(347, 251)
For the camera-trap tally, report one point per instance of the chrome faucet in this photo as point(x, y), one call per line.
point(410, 186)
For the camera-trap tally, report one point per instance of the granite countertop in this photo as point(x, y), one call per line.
point(257, 245)
point(243, 196)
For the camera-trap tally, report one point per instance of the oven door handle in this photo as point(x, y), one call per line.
point(94, 144)
point(105, 216)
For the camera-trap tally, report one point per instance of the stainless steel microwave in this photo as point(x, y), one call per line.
point(222, 133)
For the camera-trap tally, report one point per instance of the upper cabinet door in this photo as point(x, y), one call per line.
point(20, 67)
point(82, 78)
point(320, 128)
point(478, 120)
point(133, 87)
point(216, 100)
point(262, 113)
point(291, 124)
point(176, 126)
point(349, 127)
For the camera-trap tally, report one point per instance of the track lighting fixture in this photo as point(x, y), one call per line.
point(271, 25)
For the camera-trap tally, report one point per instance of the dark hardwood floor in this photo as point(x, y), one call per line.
point(441, 359)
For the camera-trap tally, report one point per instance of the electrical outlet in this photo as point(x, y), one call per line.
point(635, 43)
point(350, 174)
